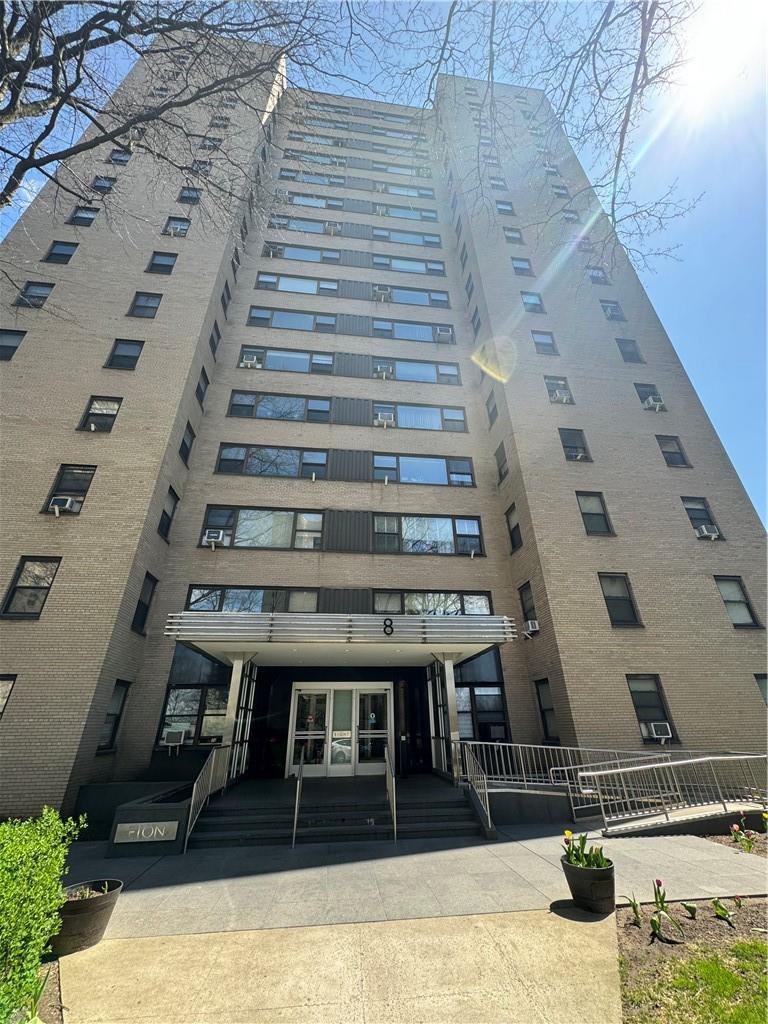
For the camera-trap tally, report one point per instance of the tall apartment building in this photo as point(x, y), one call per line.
point(283, 477)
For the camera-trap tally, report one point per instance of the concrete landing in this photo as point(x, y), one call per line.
point(492, 969)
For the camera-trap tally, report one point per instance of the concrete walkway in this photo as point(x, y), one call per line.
point(246, 888)
point(526, 968)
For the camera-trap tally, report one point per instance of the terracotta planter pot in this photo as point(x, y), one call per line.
point(83, 922)
point(592, 889)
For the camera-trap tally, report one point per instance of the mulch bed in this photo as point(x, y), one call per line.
point(640, 954)
point(760, 849)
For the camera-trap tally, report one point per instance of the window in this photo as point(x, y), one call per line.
point(463, 255)
point(405, 330)
point(202, 167)
point(187, 440)
point(34, 294)
point(521, 266)
point(31, 582)
point(648, 700)
point(119, 156)
point(202, 386)
point(162, 262)
point(124, 354)
point(114, 714)
point(405, 237)
point(649, 397)
point(214, 339)
point(266, 528)
point(250, 599)
point(532, 302)
point(262, 460)
point(501, 461)
point(760, 678)
point(100, 414)
point(594, 514)
point(552, 169)
point(421, 417)
point(177, 226)
point(426, 535)
point(60, 252)
point(700, 515)
point(83, 216)
point(574, 445)
point(527, 603)
point(629, 350)
point(736, 601)
point(618, 599)
point(219, 122)
point(235, 263)
point(69, 490)
point(559, 390)
point(544, 343)
point(261, 406)
point(226, 298)
point(546, 709)
point(480, 710)
point(505, 207)
point(423, 469)
point(9, 342)
point(597, 275)
point(143, 604)
point(514, 235)
point(303, 285)
point(211, 143)
point(513, 527)
point(6, 685)
point(672, 451)
point(571, 215)
point(497, 182)
point(476, 322)
point(291, 320)
point(167, 513)
point(490, 408)
point(612, 310)
point(418, 602)
point(145, 304)
point(560, 192)
point(406, 264)
point(102, 183)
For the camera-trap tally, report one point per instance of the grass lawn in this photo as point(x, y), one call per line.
point(718, 975)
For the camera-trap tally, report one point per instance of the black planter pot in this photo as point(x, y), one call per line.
point(83, 922)
point(592, 889)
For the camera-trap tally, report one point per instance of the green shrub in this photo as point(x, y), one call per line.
point(32, 858)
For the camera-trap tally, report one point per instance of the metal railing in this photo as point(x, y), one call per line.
point(478, 784)
point(212, 778)
point(299, 781)
point(631, 792)
point(389, 771)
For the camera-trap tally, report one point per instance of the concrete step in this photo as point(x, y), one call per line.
point(407, 817)
point(333, 834)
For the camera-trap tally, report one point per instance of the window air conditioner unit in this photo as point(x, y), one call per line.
point(444, 333)
point(174, 739)
point(250, 364)
point(581, 456)
point(176, 231)
point(282, 195)
point(708, 530)
point(213, 537)
point(59, 503)
point(530, 626)
point(654, 402)
point(381, 293)
point(380, 374)
point(331, 227)
point(379, 186)
point(380, 211)
point(562, 396)
point(384, 419)
point(660, 730)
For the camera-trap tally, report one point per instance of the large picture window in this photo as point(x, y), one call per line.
point(427, 535)
point(264, 528)
point(430, 602)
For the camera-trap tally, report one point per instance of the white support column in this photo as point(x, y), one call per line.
point(235, 682)
point(453, 716)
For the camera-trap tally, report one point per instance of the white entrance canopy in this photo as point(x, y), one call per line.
point(283, 638)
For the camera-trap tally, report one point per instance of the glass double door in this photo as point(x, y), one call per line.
point(343, 729)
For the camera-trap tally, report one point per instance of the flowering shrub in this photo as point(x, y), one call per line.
point(576, 852)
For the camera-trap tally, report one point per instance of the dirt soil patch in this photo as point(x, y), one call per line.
point(760, 849)
point(50, 1009)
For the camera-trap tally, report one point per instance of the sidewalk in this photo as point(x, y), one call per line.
point(525, 968)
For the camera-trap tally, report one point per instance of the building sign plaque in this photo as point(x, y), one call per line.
point(342, 734)
point(146, 831)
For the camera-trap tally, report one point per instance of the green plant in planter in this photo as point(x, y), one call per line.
point(576, 852)
point(33, 853)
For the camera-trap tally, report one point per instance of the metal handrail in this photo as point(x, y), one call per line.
point(211, 778)
point(299, 781)
point(478, 782)
point(628, 792)
point(391, 790)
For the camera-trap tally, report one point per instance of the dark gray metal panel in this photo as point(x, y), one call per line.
point(356, 412)
point(348, 324)
point(347, 531)
point(349, 465)
point(366, 184)
point(345, 601)
point(357, 231)
point(358, 206)
point(353, 258)
point(355, 290)
point(359, 163)
point(351, 364)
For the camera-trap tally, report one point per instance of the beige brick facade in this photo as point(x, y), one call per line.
point(66, 662)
